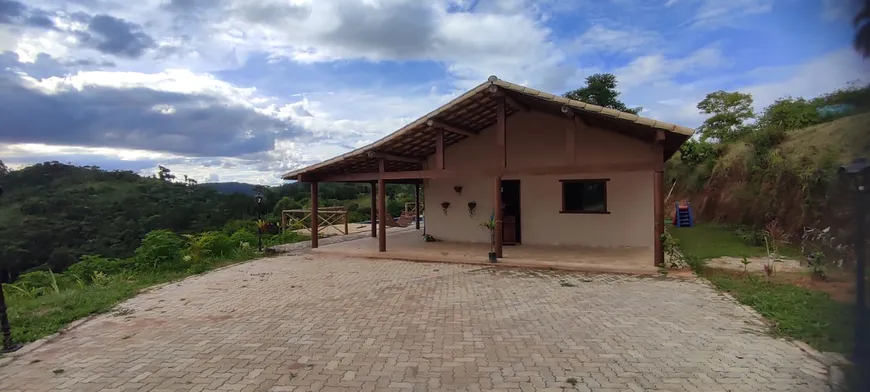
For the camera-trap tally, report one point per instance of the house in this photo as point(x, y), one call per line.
point(564, 172)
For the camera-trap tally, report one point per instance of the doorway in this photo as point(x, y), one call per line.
point(510, 199)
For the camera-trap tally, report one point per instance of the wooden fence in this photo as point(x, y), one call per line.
point(326, 217)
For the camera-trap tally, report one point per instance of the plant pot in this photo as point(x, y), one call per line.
point(492, 258)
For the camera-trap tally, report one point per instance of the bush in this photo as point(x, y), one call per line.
point(37, 283)
point(765, 139)
point(240, 224)
point(286, 237)
point(241, 236)
point(89, 265)
point(159, 249)
point(210, 244)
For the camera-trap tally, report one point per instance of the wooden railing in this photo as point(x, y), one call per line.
point(326, 217)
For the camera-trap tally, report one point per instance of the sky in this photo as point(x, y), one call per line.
point(238, 90)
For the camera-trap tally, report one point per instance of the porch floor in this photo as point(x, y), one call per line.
point(407, 244)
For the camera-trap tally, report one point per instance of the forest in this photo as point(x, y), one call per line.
point(53, 214)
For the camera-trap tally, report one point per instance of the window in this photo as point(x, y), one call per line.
point(584, 196)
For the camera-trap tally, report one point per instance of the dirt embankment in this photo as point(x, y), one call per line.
point(795, 182)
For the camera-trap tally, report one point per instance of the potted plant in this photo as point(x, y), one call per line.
point(490, 225)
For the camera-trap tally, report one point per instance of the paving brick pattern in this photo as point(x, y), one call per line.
point(311, 323)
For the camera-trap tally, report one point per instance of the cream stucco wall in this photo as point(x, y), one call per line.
point(538, 140)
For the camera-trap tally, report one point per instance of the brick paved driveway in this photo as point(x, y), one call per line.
point(304, 323)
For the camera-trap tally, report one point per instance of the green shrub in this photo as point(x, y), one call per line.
point(765, 139)
point(240, 224)
point(211, 244)
point(241, 236)
point(159, 249)
point(286, 237)
point(38, 283)
point(91, 264)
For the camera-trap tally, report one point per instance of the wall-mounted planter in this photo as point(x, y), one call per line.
point(444, 206)
point(472, 205)
point(458, 189)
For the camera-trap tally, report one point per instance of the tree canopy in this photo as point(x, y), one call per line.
point(728, 113)
point(52, 214)
point(600, 89)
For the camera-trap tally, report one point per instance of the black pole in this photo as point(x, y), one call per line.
point(259, 199)
point(259, 234)
point(858, 174)
point(861, 350)
point(8, 345)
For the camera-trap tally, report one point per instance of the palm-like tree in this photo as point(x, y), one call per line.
point(862, 25)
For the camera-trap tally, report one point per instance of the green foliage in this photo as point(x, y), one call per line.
point(37, 283)
point(728, 113)
point(89, 265)
point(707, 241)
point(243, 236)
point(159, 249)
point(286, 237)
point(237, 225)
point(694, 152)
point(788, 113)
point(600, 89)
point(210, 244)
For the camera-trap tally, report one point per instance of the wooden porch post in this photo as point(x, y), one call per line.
point(659, 217)
point(382, 210)
point(501, 130)
point(417, 206)
point(374, 209)
point(439, 149)
point(659, 199)
point(315, 225)
point(499, 217)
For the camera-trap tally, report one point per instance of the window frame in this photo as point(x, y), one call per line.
point(584, 180)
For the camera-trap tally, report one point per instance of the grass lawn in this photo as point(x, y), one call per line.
point(707, 241)
point(35, 317)
point(794, 312)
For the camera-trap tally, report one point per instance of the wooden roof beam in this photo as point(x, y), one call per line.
point(573, 113)
point(394, 158)
point(508, 98)
point(449, 128)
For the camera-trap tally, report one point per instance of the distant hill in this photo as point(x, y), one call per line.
point(231, 187)
point(52, 213)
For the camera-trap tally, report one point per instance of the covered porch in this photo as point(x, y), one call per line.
point(559, 158)
point(408, 244)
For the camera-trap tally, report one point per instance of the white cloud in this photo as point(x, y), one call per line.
point(676, 102)
point(601, 39)
point(719, 13)
point(656, 67)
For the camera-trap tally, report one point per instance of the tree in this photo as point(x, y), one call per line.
point(600, 90)
point(164, 173)
point(729, 111)
point(862, 25)
point(789, 113)
point(3, 169)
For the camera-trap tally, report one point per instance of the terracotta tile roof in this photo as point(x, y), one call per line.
point(474, 111)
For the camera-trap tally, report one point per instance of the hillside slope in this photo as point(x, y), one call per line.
point(51, 213)
point(789, 177)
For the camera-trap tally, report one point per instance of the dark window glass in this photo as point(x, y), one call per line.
point(584, 196)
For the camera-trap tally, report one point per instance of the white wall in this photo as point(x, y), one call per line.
point(538, 140)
